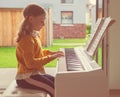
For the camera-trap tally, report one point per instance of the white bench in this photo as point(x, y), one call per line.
point(14, 91)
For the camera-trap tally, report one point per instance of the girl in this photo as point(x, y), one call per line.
point(30, 56)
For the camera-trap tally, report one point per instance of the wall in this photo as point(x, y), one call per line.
point(74, 31)
point(78, 7)
point(79, 14)
point(114, 45)
point(22, 3)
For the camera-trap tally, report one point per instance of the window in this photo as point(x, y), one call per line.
point(66, 1)
point(66, 17)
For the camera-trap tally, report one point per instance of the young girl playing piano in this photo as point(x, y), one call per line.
point(30, 55)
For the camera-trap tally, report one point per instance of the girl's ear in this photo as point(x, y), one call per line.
point(30, 18)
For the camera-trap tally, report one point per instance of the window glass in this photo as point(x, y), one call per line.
point(66, 17)
point(66, 1)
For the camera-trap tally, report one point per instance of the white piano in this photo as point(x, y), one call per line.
point(78, 75)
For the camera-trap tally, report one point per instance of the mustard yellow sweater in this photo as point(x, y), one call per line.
point(30, 55)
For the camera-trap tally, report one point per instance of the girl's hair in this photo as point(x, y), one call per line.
point(26, 27)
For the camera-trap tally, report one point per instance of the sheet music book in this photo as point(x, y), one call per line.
point(97, 39)
point(93, 34)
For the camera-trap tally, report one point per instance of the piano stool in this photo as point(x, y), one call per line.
point(14, 91)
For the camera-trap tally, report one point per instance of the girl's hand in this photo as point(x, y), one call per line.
point(57, 54)
point(60, 53)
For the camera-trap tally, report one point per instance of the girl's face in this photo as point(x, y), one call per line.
point(37, 21)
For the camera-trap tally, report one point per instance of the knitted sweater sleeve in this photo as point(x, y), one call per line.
point(27, 47)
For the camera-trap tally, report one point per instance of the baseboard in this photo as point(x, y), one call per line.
point(114, 91)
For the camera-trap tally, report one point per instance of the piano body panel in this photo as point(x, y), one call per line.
point(81, 84)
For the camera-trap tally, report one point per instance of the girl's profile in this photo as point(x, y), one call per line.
point(31, 57)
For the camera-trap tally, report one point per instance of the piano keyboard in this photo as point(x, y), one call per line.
point(72, 60)
point(78, 60)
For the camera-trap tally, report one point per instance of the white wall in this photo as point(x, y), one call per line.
point(23, 3)
point(78, 7)
point(114, 47)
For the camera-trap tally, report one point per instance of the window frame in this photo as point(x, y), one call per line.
point(66, 23)
point(105, 43)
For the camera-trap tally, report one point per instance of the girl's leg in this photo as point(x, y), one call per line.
point(50, 77)
point(40, 82)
